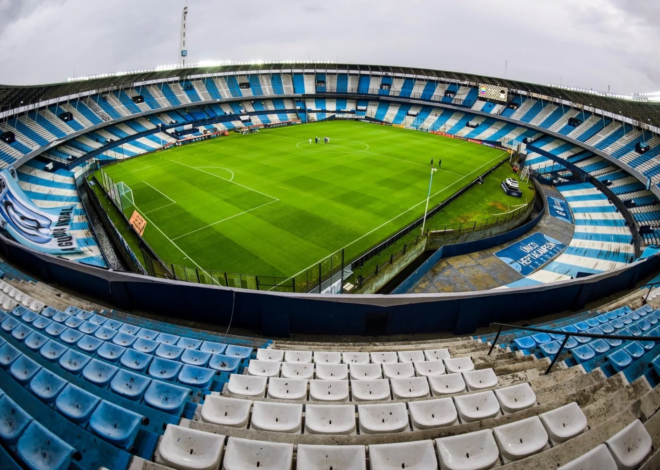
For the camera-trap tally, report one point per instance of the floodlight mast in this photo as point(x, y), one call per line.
point(428, 196)
point(182, 39)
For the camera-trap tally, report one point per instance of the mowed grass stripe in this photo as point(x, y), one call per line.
point(367, 184)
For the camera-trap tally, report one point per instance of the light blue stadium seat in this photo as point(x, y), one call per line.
point(13, 420)
point(643, 325)
point(145, 345)
point(199, 377)
point(541, 338)
point(166, 397)
point(213, 348)
point(616, 323)
point(114, 324)
point(21, 332)
point(41, 323)
point(125, 340)
point(619, 360)
point(73, 361)
point(557, 336)
point(49, 312)
point(626, 319)
point(76, 404)
point(195, 358)
point(595, 331)
point(168, 351)
point(647, 345)
point(71, 336)
point(47, 385)
point(634, 329)
point(23, 369)
point(652, 318)
point(592, 322)
point(634, 349)
point(167, 338)
point(129, 385)
point(551, 348)
point(135, 360)
point(29, 316)
point(89, 344)
point(164, 369)
point(98, 319)
point(36, 340)
point(99, 373)
point(189, 343)
point(55, 329)
point(110, 352)
point(2, 341)
point(115, 424)
point(581, 326)
point(8, 354)
point(599, 346)
point(224, 363)
point(602, 318)
point(583, 353)
point(88, 327)
point(129, 329)
point(147, 334)
point(526, 342)
point(40, 449)
point(60, 317)
point(238, 351)
point(73, 322)
point(607, 328)
point(634, 316)
point(612, 315)
point(84, 314)
point(52, 350)
point(105, 333)
point(573, 329)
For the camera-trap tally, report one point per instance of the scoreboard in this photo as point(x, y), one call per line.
point(493, 92)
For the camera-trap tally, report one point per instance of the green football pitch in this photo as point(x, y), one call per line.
point(272, 204)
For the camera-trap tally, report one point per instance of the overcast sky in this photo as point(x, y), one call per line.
point(586, 43)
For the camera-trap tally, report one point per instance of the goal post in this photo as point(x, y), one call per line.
point(125, 194)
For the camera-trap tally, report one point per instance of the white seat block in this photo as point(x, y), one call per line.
point(330, 419)
point(376, 419)
point(332, 371)
point(270, 355)
point(473, 451)
point(477, 406)
point(516, 398)
point(328, 390)
point(327, 357)
point(411, 356)
point(311, 457)
point(297, 371)
point(564, 423)
point(246, 454)
point(370, 390)
point(189, 449)
point(287, 389)
point(428, 368)
point(264, 368)
point(400, 370)
point(355, 358)
point(418, 455)
point(276, 417)
point(630, 446)
point(226, 411)
point(366, 371)
point(298, 356)
point(436, 354)
point(414, 387)
point(447, 384)
point(459, 364)
point(480, 379)
point(429, 414)
point(596, 459)
point(522, 438)
point(383, 357)
point(247, 385)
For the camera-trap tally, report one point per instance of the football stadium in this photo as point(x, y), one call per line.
point(326, 265)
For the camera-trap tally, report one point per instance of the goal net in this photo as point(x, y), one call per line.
point(125, 194)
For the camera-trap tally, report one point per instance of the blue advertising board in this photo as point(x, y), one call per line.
point(529, 254)
point(559, 208)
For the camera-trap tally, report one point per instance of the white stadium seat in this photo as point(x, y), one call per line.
point(298, 356)
point(310, 457)
point(270, 355)
point(400, 370)
point(564, 423)
point(276, 417)
point(521, 439)
point(383, 418)
point(327, 357)
point(414, 387)
point(246, 454)
point(428, 368)
point(247, 385)
point(355, 358)
point(297, 371)
point(429, 414)
point(370, 390)
point(596, 459)
point(384, 357)
point(418, 455)
point(480, 379)
point(226, 411)
point(330, 419)
point(366, 371)
point(332, 371)
point(411, 356)
point(328, 390)
point(287, 389)
point(516, 398)
point(264, 368)
point(477, 406)
point(630, 446)
point(473, 451)
point(447, 384)
point(189, 449)
point(436, 354)
point(459, 364)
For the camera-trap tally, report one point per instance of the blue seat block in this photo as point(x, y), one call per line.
point(129, 329)
point(147, 334)
point(571, 343)
point(89, 344)
point(99, 373)
point(145, 345)
point(607, 328)
point(71, 310)
point(224, 363)
point(55, 329)
point(541, 338)
point(76, 404)
point(612, 315)
point(84, 314)
point(647, 345)
point(40, 449)
point(599, 346)
point(73, 322)
point(238, 351)
point(643, 325)
point(88, 327)
point(626, 319)
point(652, 318)
point(557, 336)
point(164, 369)
point(135, 360)
point(166, 397)
point(114, 324)
point(29, 316)
point(189, 343)
point(105, 333)
point(97, 319)
point(41, 323)
point(21, 332)
point(168, 351)
point(595, 331)
point(634, 316)
point(526, 342)
point(23, 369)
point(71, 336)
point(635, 330)
point(616, 323)
point(115, 424)
point(634, 349)
point(13, 420)
point(73, 361)
point(36, 340)
point(49, 312)
point(8, 354)
point(129, 385)
point(167, 338)
point(46, 385)
point(602, 319)
point(60, 317)
point(213, 348)
point(110, 352)
point(583, 353)
point(551, 348)
point(581, 326)
point(620, 360)
point(123, 339)
point(199, 377)
point(614, 342)
point(52, 350)
point(195, 358)
point(592, 322)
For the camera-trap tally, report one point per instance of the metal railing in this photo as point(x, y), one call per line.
point(566, 336)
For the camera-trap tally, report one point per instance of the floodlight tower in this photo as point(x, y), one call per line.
point(182, 39)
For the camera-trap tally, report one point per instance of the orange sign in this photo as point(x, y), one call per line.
point(138, 222)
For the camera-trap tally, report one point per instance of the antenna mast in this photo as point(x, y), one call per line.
point(182, 40)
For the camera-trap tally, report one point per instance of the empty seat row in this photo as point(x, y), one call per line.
point(19, 297)
point(335, 357)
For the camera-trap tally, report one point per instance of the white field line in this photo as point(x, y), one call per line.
point(220, 168)
point(135, 171)
point(161, 207)
point(404, 212)
point(223, 220)
point(156, 189)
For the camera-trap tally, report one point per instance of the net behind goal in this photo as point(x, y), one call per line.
point(125, 194)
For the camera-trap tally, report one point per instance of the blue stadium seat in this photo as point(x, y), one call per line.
point(583, 353)
point(135, 360)
point(199, 377)
point(73, 322)
point(635, 330)
point(71, 336)
point(110, 352)
point(581, 326)
point(599, 346)
point(145, 345)
point(88, 327)
point(21, 332)
point(105, 333)
point(634, 349)
point(551, 348)
point(114, 324)
point(89, 344)
point(616, 323)
point(619, 359)
point(99, 373)
point(129, 329)
point(115, 424)
point(526, 342)
point(41, 323)
point(147, 334)
point(167, 338)
point(73, 361)
point(626, 319)
point(84, 315)
point(166, 397)
point(8, 354)
point(189, 343)
point(607, 328)
point(60, 317)
point(224, 363)
point(652, 318)
point(13, 420)
point(238, 351)
point(23, 369)
point(40, 449)
point(168, 351)
point(29, 316)
point(195, 358)
point(164, 369)
point(76, 404)
point(592, 322)
point(47, 385)
point(129, 385)
point(9, 323)
point(613, 315)
point(55, 329)
point(602, 318)
point(557, 336)
point(52, 350)
point(35, 341)
point(97, 319)
point(643, 325)
point(634, 316)
point(213, 348)
point(123, 339)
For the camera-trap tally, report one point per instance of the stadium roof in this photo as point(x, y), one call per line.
point(12, 97)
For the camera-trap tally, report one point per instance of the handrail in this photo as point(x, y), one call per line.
point(566, 336)
point(650, 286)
